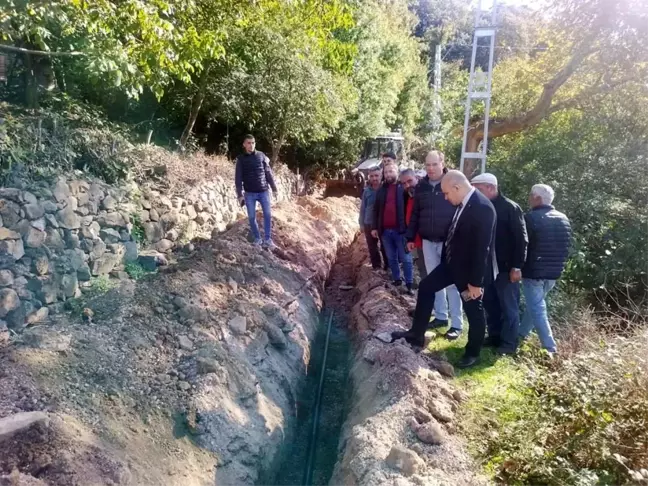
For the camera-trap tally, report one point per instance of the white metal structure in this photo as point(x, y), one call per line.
point(436, 115)
point(479, 84)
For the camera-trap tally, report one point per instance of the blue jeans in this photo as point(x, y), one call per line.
point(535, 314)
point(502, 305)
point(394, 244)
point(450, 295)
point(251, 199)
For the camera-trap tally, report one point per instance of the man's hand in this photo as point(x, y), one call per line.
point(374, 233)
point(410, 246)
point(474, 292)
point(241, 200)
point(515, 275)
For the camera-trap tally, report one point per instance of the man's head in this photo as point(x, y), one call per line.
point(389, 158)
point(455, 186)
point(486, 183)
point(434, 163)
point(541, 195)
point(374, 177)
point(409, 180)
point(249, 143)
point(391, 173)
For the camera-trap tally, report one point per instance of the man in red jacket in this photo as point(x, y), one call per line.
point(409, 180)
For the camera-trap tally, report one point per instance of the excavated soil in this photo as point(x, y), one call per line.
point(184, 378)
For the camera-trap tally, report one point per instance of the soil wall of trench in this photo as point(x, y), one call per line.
point(186, 377)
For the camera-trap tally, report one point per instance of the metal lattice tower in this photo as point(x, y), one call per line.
point(479, 84)
point(436, 107)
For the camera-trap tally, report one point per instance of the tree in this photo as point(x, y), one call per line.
point(128, 43)
point(594, 47)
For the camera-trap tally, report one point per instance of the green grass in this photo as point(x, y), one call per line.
point(499, 399)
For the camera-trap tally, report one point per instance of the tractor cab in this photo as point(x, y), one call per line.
point(375, 148)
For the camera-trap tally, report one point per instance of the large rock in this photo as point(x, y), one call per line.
point(238, 325)
point(69, 284)
point(72, 240)
point(7, 234)
point(6, 278)
point(105, 264)
point(61, 190)
point(9, 301)
point(11, 193)
point(68, 219)
point(44, 288)
point(37, 316)
point(98, 249)
point(275, 336)
point(54, 241)
point(15, 248)
point(34, 238)
point(191, 212)
point(91, 231)
point(34, 211)
point(83, 273)
point(16, 318)
point(164, 245)
point(10, 213)
point(109, 203)
point(112, 220)
point(50, 207)
point(78, 187)
point(429, 433)
point(39, 224)
point(153, 232)
point(110, 235)
point(130, 252)
point(40, 265)
point(404, 460)
point(19, 422)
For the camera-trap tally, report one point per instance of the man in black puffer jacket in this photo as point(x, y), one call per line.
point(254, 176)
point(549, 241)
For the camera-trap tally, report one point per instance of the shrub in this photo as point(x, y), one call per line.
point(135, 270)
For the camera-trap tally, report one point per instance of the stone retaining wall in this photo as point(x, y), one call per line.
point(56, 236)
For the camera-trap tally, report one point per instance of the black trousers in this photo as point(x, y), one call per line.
point(502, 305)
point(438, 279)
point(375, 250)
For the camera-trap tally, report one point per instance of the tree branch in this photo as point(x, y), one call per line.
point(22, 50)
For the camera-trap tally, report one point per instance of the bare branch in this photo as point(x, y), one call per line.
point(22, 50)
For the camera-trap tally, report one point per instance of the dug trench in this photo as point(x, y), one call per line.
point(209, 373)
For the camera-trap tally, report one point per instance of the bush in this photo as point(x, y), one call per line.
point(584, 421)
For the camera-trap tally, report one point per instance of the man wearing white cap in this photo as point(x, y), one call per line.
point(502, 296)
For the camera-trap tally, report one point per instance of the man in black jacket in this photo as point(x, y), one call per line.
point(502, 296)
point(431, 218)
point(549, 241)
point(254, 175)
point(467, 262)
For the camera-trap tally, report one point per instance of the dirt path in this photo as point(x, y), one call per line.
point(180, 379)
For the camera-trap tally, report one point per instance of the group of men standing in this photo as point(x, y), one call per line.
point(475, 250)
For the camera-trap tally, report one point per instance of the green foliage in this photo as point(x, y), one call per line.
point(137, 231)
point(135, 270)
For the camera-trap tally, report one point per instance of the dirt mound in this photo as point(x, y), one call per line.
point(184, 378)
point(401, 428)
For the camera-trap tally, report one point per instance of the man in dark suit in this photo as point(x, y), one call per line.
point(467, 262)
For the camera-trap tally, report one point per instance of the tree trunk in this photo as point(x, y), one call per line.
point(542, 108)
point(31, 86)
point(276, 148)
point(196, 104)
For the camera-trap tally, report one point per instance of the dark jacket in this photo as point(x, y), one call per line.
point(432, 214)
point(253, 173)
point(367, 207)
point(379, 208)
point(510, 234)
point(549, 241)
point(472, 244)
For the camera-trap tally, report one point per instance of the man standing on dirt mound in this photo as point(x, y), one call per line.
point(389, 225)
point(254, 176)
point(467, 261)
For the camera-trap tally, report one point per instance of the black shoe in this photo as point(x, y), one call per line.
point(409, 289)
point(409, 336)
point(492, 342)
point(504, 351)
point(436, 323)
point(453, 334)
point(397, 283)
point(467, 361)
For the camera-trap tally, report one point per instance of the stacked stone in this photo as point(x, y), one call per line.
point(55, 237)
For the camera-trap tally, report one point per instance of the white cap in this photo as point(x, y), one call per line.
point(485, 178)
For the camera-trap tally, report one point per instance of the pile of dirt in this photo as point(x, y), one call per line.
point(401, 428)
point(183, 378)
